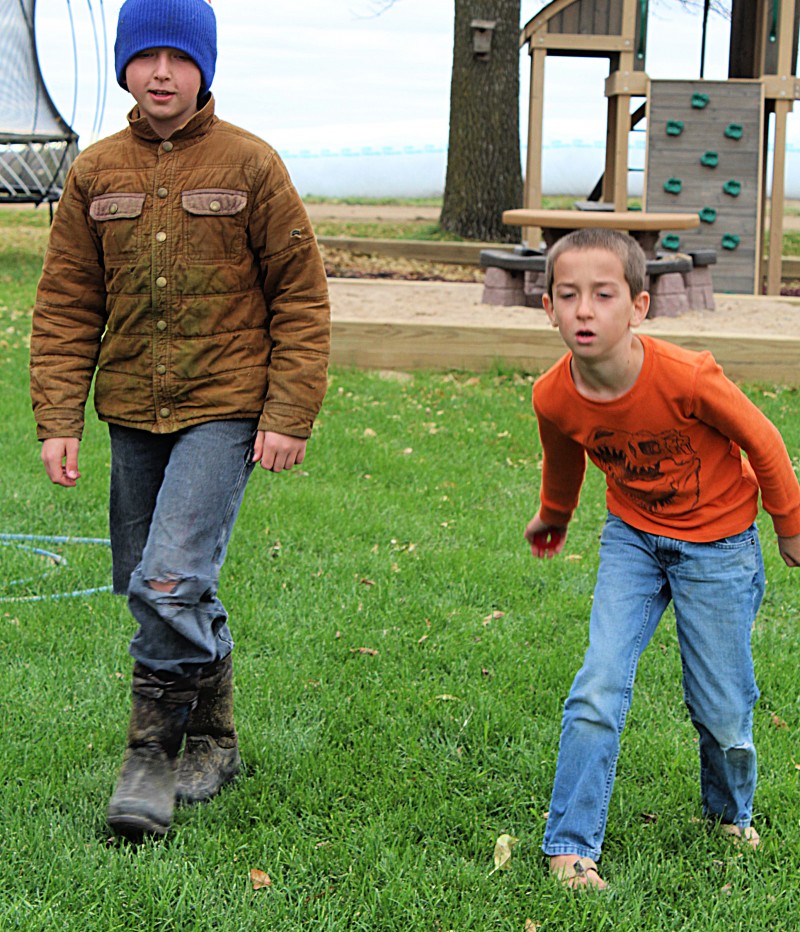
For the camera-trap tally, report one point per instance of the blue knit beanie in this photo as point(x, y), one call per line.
point(187, 25)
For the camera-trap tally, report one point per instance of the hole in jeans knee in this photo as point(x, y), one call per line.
point(162, 585)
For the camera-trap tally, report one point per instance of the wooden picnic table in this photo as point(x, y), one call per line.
point(644, 226)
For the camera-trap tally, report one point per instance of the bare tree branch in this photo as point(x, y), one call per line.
point(720, 7)
point(377, 8)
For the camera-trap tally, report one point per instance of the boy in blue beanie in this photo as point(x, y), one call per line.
point(183, 269)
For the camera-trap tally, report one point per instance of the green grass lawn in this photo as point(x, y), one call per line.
point(791, 243)
point(420, 229)
point(401, 664)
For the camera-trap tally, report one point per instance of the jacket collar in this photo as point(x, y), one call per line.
point(198, 125)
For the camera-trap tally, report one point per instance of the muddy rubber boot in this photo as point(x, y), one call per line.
point(211, 756)
point(144, 797)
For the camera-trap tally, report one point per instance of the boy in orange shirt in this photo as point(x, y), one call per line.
point(667, 428)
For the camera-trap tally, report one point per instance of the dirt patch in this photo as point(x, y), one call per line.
point(340, 263)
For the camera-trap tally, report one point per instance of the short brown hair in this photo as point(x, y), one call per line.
point(623, 246)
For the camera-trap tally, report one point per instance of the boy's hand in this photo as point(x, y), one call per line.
point(277, 452)
point(60, 458)
point(546, 540)
point(790, 549)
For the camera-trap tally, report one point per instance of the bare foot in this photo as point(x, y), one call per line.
point(748, 835)
point(574, 871)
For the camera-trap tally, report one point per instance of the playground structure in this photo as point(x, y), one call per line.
point(37, 146)
point(707, 141)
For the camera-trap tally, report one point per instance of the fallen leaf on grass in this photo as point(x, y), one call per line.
point(493, 617)
point(531, 926)
point(778, 722)
point(366, 582)
point(369, 651)
point(446, 697)
point(260, 879)
point(502, 853)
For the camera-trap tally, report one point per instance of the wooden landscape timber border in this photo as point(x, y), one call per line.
point(393, 343)
point(459, 253)
point(407, 346)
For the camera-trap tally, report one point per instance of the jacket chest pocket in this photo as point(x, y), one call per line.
point(214, 223)
point(119, 222)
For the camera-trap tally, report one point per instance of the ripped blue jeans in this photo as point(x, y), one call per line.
point(716, 589)
point(174, 500)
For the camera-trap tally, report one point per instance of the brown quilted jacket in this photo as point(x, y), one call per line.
point(187, 274)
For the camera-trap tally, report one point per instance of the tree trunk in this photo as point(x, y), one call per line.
point(484, 177)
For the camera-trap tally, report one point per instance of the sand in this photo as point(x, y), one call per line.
point(460, 303)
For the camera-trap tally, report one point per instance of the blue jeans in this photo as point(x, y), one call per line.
point(174, 501)
point(716, 589)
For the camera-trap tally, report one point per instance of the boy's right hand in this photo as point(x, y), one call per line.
point(546, 540)
point(60, 458)
point(790, 549)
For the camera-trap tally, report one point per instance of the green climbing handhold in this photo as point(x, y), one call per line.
point(674, 127)
point(708, 214)
point(734, 188)
point(673, 185)
point(734, 130)
point(699, 101)
point(671, 241)
point(709, 159)
point(730, 241)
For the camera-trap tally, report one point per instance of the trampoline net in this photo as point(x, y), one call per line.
point(36, 145)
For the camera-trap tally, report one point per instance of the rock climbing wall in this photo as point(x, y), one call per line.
point(704, 154)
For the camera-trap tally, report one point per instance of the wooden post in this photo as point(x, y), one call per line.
point(622, 110)
point(782, 109)
point(533, 171)
point(761, 225)
point(762, 32)
point(610, 174)
point(622, 128)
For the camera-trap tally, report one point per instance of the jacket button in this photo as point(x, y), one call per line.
point(167, 146)
point(161, 369)
point(162, 192)
point(161, 236)
point(113, 208)
point(161, 282)
point(164, 412)
point(215, 206)
point(161, 325)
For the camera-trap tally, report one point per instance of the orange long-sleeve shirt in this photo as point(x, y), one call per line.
point(671, 450)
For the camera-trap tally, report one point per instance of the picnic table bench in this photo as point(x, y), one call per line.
point(677, 283)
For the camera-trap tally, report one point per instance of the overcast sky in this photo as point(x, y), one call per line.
point(325, 76)
point(329, 73)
